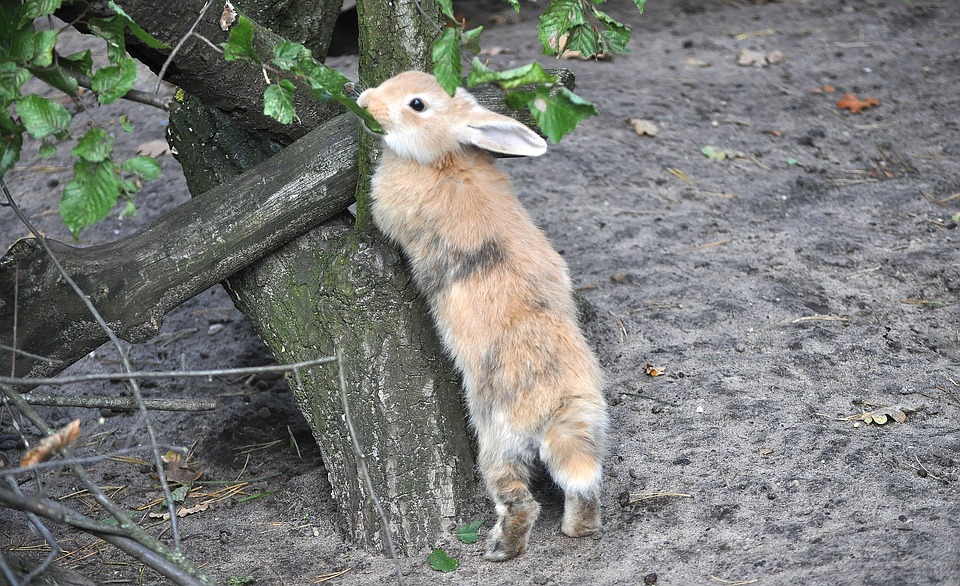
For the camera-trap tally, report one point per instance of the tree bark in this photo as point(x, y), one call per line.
point(201, 70)
point(339, 288)
point(135, 281)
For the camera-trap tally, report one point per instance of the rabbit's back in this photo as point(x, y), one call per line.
point(500, 294)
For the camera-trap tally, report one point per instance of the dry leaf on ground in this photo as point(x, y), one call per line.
point(154, 148)
point(750, 58)
point(643, 127)
point(718, 154)
point(881, 415)
point(856, 105)
point(651, 370)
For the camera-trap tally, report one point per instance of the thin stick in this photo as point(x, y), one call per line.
point(137, 96)
point(131, 384)
point(147, 374)
point(362, 467)
point(120, 403)
point(176, 49)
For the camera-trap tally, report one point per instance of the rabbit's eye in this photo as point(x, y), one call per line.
point(417, 104)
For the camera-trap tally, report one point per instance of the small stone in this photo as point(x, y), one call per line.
point(650, 579)
point(214, 329)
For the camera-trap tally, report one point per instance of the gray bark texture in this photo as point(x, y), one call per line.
point(341, 288)
point(135, 281)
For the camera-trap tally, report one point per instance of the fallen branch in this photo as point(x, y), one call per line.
point(120, 403)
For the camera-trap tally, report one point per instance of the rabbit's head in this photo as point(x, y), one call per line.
point(426, 124)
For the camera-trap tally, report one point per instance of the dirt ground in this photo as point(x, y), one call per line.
point(811, 278)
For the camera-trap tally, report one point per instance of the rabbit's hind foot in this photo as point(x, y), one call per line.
point(581, 516)
point(508, 538)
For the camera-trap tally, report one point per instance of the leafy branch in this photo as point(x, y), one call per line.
point(99, 181)
point(288, 56)
point(564, 25)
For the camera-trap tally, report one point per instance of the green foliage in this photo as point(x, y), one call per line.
point(239, 45)
point(98, 182)
point(324, 83)
point(441, 562)
point(511, 79)
point(42, 117)
point(113, 82)
point(278, 101)
point(564, 25)
point(469, 533)
point(94, 146)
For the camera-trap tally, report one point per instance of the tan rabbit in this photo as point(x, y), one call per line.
point(500, 295)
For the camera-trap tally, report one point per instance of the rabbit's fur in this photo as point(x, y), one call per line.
point(500, 295)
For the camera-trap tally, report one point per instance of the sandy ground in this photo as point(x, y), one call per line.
point(810, 278)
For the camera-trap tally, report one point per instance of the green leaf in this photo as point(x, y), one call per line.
point(129, 211)
point(180, 493)
point(90, 195)
point(239, 45)
point(717, 154)
point(125, 123)
point(584, 39)
point(556, 112)
point(12, 78)
point(510, 79)
point(94, 146)
point(441, 562)
point(287, 54)
point(446, 8)
point(470, 40)
point(42, 117)
point(640, 4)
point(447, 66)
point(560, 17)
point(47, 150)
point(11, 141)
point(44, 41)
point(82, 61)
point(22, 45)
point(327, 84)
point(278, 101)
point(515, 4)
point(615, 35)
point(469, 533)
point(111, 30)
point(145, 167)
point(113, 82)
point(33, 9)
point(145, 37)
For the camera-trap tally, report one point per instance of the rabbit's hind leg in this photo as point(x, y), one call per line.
point(508, 482)
point(572, 449)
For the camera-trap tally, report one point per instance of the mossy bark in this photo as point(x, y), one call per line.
point(339, 287)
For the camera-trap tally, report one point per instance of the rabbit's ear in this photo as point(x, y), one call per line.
point(500, 134)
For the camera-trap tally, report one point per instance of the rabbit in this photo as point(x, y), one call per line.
point(500, 296)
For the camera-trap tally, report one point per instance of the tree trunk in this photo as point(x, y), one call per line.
point(341, 288)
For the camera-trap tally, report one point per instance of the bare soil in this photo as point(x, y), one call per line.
point(813, 278)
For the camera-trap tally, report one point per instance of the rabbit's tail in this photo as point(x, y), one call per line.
point(573, 446)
